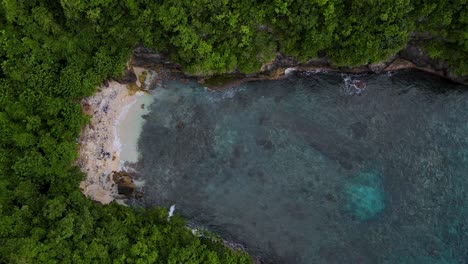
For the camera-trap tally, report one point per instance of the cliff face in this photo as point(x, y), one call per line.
point(411, 57)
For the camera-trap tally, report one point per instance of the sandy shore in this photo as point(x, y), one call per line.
point(110, 139)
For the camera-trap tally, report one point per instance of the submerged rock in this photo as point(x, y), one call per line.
point(180, 125)
point(365, 196)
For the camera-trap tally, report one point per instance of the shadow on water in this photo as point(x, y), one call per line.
point(307, 170)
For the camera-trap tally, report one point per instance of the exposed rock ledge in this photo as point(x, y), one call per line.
point(412, 57)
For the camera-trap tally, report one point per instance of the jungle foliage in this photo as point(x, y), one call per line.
point(53, 53)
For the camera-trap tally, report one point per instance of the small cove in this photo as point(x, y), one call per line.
point(309, 169)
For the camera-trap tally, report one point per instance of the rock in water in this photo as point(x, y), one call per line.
point(125, 184)
point(365, 196)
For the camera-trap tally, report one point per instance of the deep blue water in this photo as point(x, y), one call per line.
point(310, 169)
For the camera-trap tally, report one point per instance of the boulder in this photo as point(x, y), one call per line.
point(399, 64)
point(180, 125)
point(359, 84)
point(125, 184)
point(321, 61)
point(276, 73)
point(128, 77)
point(377, 67)
point(414, 53)
point(285, 61)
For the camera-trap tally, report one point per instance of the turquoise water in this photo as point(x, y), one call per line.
point(314, 169)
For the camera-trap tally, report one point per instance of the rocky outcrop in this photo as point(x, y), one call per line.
point(147, 58)
point(411, 57)
point(399, 64)
point(377, 67)
point(125, 184)
point(414, 53)
point(128, 77)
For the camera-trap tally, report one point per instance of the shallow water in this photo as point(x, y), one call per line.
point(310, 169)
point(129, 126)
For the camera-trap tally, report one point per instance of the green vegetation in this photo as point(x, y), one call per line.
point(53, 53)
point(446, 24)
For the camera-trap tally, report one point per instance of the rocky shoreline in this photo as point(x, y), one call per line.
point(100, 159)
point(411, 57)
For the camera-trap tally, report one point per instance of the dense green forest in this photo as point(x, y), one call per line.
point(53, 53)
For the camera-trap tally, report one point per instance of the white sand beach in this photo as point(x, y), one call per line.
point(110, 139)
